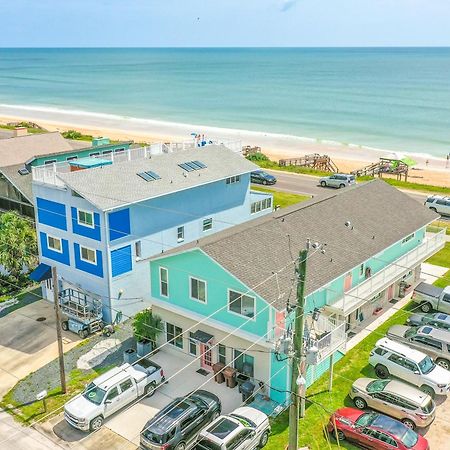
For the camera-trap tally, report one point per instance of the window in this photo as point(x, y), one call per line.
point(380, 351)
point(49, 161)
point(428, 342)
point(361, 269)
point(88, 255)
point(138, 249)
point(112, 394)
point(119, 150)
point(125, 385)
point(71, 158)
point(54, 243)
point(163, 281)
point(192, 344)
point(222, 354)
point(244, 363)
point(180, 234)
point(174, 335)
point(107, 152)
point(241, 304)
point(207, 224)
point(261, 205)
point(198, 290)
point(232, 180)
point(94, 154)
point(86, 218)
point(407, 238)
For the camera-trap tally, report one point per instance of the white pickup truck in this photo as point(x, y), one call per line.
point(431, 297)
point(110, 392)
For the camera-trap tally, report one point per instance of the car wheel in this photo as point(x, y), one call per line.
point(434, 209)
point(341, 185)
point(96, 423)
point(428, 390)
point(445, 364)
point(360, 403)
point(181, 446)
point(149, 390)
point(409, 423)
point(381, 372)
point(323, 183)
point(83, 334)
point(65, 325)
point(340, 435)
point(426, 307)
point(264, 182)
point(264, 439)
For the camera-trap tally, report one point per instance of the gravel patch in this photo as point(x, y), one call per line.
point(47, 377)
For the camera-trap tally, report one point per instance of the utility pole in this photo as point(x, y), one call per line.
point(62, 372)
point(298, 356)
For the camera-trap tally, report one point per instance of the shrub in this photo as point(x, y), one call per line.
point(147, 325)
point(257, 157)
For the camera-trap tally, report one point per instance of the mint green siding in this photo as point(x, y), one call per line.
point(198, 265)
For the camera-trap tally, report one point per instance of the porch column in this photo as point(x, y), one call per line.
point(330, 380)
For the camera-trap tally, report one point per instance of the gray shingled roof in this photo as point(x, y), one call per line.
point(118, 184)
point(16, 150)
point(21, 182)
point(380, 214)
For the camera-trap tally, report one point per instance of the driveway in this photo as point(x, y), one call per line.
point(438, 433)
point(127, 424)
point(26, 344)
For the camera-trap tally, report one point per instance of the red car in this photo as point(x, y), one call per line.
point(374, 431)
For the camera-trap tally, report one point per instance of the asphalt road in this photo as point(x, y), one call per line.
point(308, 185)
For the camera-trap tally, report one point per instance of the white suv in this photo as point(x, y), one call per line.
point(439, 204)
point(392, 358)
point(245, 428)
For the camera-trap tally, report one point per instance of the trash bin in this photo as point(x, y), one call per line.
point(230, 377)
point(130, 356)
point(218, 373)
point(240, 379)
point(247, 389)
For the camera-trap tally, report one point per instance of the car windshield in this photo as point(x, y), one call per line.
point(94, 394)
point(377, 385)
point(247, 423)
point(426, 365)
point(410, 438)
point(366, 419)
point(411, 332)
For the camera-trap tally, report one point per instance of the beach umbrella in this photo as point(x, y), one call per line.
point(408, 161)
point(405, 159)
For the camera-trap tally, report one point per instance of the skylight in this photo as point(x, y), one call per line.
point(149, 175)
point(192, 165)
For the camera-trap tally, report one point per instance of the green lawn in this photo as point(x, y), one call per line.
point(282, 198)
point(444, 281)
point(442, 257)
point(29, 130)
point(352, 366)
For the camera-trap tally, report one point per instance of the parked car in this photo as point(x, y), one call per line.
point(374, 431)
point(244, 429)
point(437, 320)
point(338, 180)
point(396, 399)
point(438, 204)
point(393, 358)
point(261, 177)
point(431, 297)
point(432, 341)
point(110, 392)
point(177, 425)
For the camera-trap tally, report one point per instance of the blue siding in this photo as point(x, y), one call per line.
point(63, 257)
point(121, 261)
point(94, 269)
point(93, 233)
point(119, 224)
point(51, 213)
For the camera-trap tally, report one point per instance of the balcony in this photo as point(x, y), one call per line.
point(357, 296)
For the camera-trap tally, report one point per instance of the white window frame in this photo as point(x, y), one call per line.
point(192, 342)
point(88, 260)
point(238, 314)
point(72, 158)
point(206, 290)
point(52, 248)
point(161, 268)
point(234, 179)
point(49, 161)
point(93, 154)
point(203, 223)
point(180, 236)
point(408, 238)
point(83, 224)
point(260, 205)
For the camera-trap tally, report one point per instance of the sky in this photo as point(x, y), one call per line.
point(224, 23)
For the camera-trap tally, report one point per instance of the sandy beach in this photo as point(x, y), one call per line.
point(348, 157)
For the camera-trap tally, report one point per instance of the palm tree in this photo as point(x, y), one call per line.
point(147, 326)
point(18, 244)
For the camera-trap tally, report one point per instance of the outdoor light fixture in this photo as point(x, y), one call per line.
point(300, 381)
point(120, 294)
point(316, 314)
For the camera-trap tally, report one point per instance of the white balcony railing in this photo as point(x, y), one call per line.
point(48, 174)
point(357, 296)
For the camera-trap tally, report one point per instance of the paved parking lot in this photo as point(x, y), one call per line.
point(438, 433)
point(127, 424)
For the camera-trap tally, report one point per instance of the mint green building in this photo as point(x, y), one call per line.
point(234, 291)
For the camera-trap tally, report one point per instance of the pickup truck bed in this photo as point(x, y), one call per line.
point(429, 290)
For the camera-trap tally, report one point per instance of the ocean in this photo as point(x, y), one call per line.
point(385, 98)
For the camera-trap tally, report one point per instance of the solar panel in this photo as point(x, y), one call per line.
point(149, 176)
point(189, 166)
point(200, 164)
point(192, 165)
point(186, 167)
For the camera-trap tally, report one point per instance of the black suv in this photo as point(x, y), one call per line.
point(178, 424)
point(261, 177)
